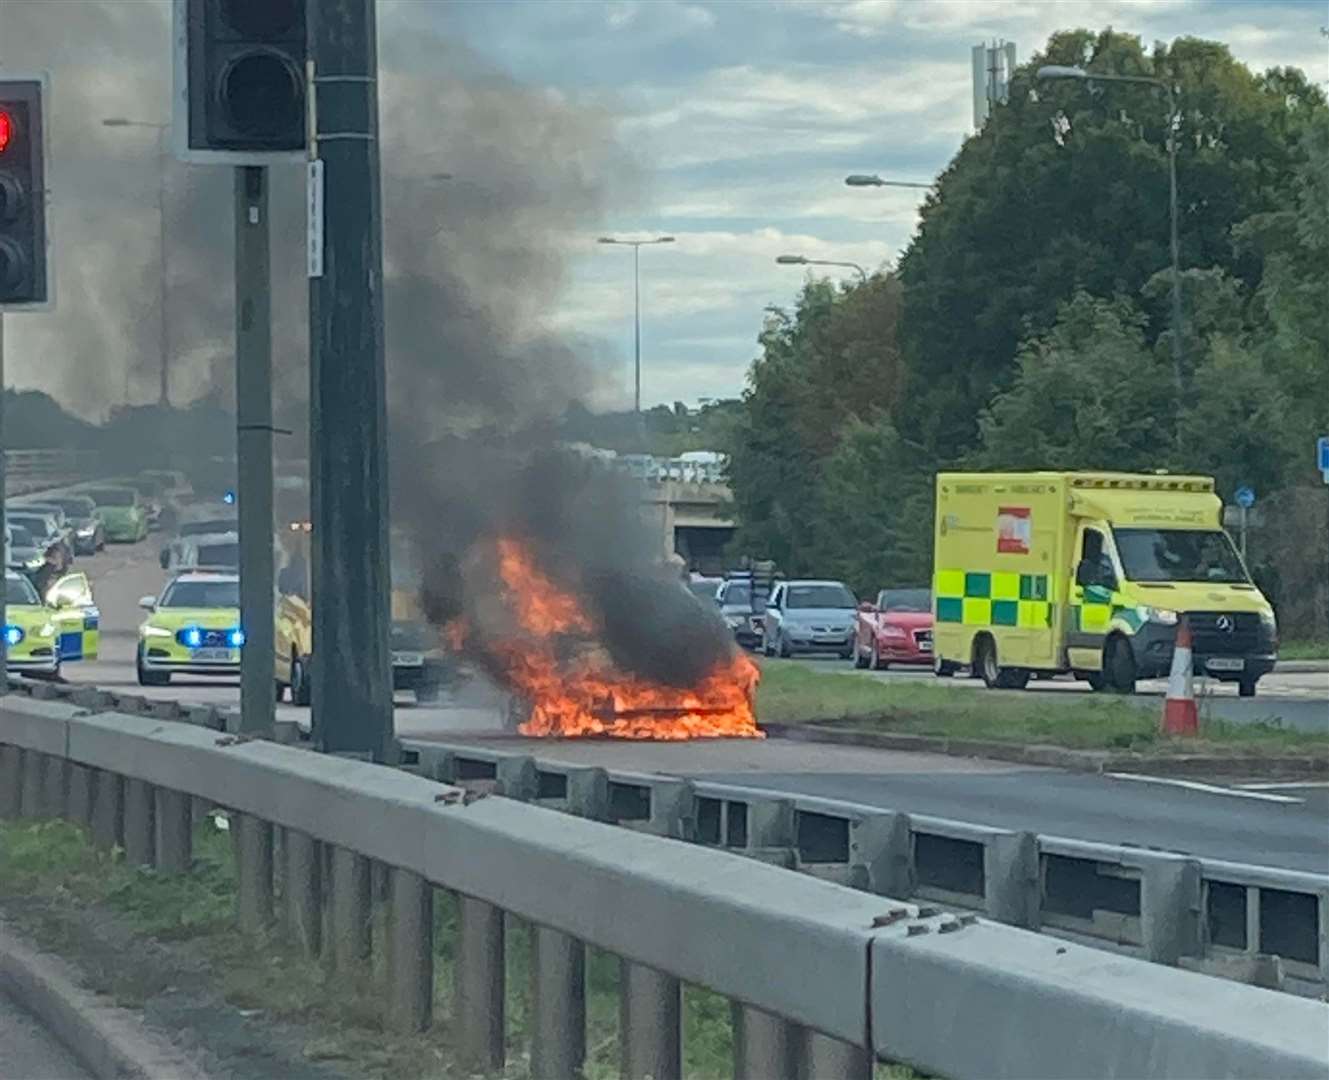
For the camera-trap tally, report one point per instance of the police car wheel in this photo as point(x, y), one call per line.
point(151, 678)
point(300, 685)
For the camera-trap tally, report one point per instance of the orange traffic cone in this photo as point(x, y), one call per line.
point(1180, 716)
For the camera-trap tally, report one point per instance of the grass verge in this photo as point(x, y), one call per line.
point(792, 694)
point(1304, 650)
point(55, 885)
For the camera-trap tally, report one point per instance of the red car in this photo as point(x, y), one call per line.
point(897, 629)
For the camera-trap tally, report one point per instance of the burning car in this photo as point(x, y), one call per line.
point(539, 640)
point(897, 629)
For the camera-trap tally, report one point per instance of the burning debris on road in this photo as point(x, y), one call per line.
point(540, 641)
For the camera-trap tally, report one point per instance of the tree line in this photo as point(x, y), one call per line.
point(1028, 325)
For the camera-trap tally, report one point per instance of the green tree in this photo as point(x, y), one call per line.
point(1089, 393)
point(875, 528)
point(833, 359)
point(1066, 189)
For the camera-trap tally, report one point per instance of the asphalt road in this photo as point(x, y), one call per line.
point(27, 1052)
point(1280, 827)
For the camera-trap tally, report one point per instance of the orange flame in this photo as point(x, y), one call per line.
point(577, 691)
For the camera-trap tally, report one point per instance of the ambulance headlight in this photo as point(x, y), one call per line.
point(1162, 616)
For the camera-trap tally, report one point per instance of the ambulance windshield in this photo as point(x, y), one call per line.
point(1179, 555)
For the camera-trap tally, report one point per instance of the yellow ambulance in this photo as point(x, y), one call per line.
point(1052, 572)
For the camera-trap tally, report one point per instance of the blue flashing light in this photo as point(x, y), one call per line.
point(235, 638)
point(13, 635)
point(229, 498)
point(191, 636)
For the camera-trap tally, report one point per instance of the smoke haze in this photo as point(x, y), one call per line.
point(474, 267)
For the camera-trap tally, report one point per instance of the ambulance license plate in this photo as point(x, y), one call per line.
point(1225, 663)
point(407, 659)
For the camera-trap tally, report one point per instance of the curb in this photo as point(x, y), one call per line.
point(1300, 766)
point(110, 1042)
point(1295, 666)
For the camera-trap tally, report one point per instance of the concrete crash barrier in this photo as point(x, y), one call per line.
point(821, 976)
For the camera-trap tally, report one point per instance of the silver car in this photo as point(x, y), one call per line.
point(810, 617)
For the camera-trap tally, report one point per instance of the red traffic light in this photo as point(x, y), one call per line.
point(6, 130)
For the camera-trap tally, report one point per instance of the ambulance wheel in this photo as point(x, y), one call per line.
point(985, 662)
point(1119, 666)
point(1246, 688)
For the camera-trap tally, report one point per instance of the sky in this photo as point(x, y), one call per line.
point(746, 117)
point(727, 125)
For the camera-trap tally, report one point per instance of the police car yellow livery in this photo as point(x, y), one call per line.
point(192, 628)
point(31, 635)
point(1088, 573)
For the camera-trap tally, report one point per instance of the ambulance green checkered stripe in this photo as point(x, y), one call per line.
point(980, 598)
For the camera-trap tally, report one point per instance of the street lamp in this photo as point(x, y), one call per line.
point(803, 260)
point(1062, 71)
point(636, 246)
point(161, 129)
point(873, 180)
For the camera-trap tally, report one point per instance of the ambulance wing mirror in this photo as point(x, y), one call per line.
point(1086, 574)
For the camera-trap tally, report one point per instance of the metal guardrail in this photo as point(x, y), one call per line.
point(823, 978)
point(27, 471)
point(1250, 923)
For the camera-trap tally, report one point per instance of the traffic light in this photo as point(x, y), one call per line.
point(22, 194)
point(243, 67)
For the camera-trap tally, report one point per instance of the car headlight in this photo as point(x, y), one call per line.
point(1163, 616)
point(155, 631)
point(47, 630)
point(892, 631)
point(87, 530)
point(734, 621)
point(1269, 622)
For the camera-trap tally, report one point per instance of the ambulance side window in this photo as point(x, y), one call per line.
point(1095, 565)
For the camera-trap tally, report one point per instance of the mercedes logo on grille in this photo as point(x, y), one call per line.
point(1225, 623)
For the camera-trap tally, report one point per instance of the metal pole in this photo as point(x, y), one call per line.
point(636, 323)
point(165, 396)
point(1178, 372)
point(352, 674)
point(253, 414)
point(1243, 532)
point(4, 615)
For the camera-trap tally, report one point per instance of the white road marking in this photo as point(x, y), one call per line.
point(1214, 789)
point(1287, 784)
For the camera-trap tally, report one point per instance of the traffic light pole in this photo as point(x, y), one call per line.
point(4, 596)
point(253, 411)
point(351, 663)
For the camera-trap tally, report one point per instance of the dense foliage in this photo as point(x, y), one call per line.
point(1030, 323)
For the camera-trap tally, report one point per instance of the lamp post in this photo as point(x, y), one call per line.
point(803, 260)
point(1061, 71)
point(873, 180)
point(636, 246)
point(161, 129)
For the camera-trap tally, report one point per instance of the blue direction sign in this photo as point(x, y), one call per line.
point(1245, 497)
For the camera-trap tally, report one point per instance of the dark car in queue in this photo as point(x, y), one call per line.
point(735, 600)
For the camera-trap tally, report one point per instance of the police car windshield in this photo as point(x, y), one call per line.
point(1179, 555)
point(18, 590)
point(819, 596)
point(202, 594)
point(219, 555)
point(20, 537)
point(38, 526)
point(907, 600)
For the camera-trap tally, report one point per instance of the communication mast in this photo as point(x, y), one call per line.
point(994, 64)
